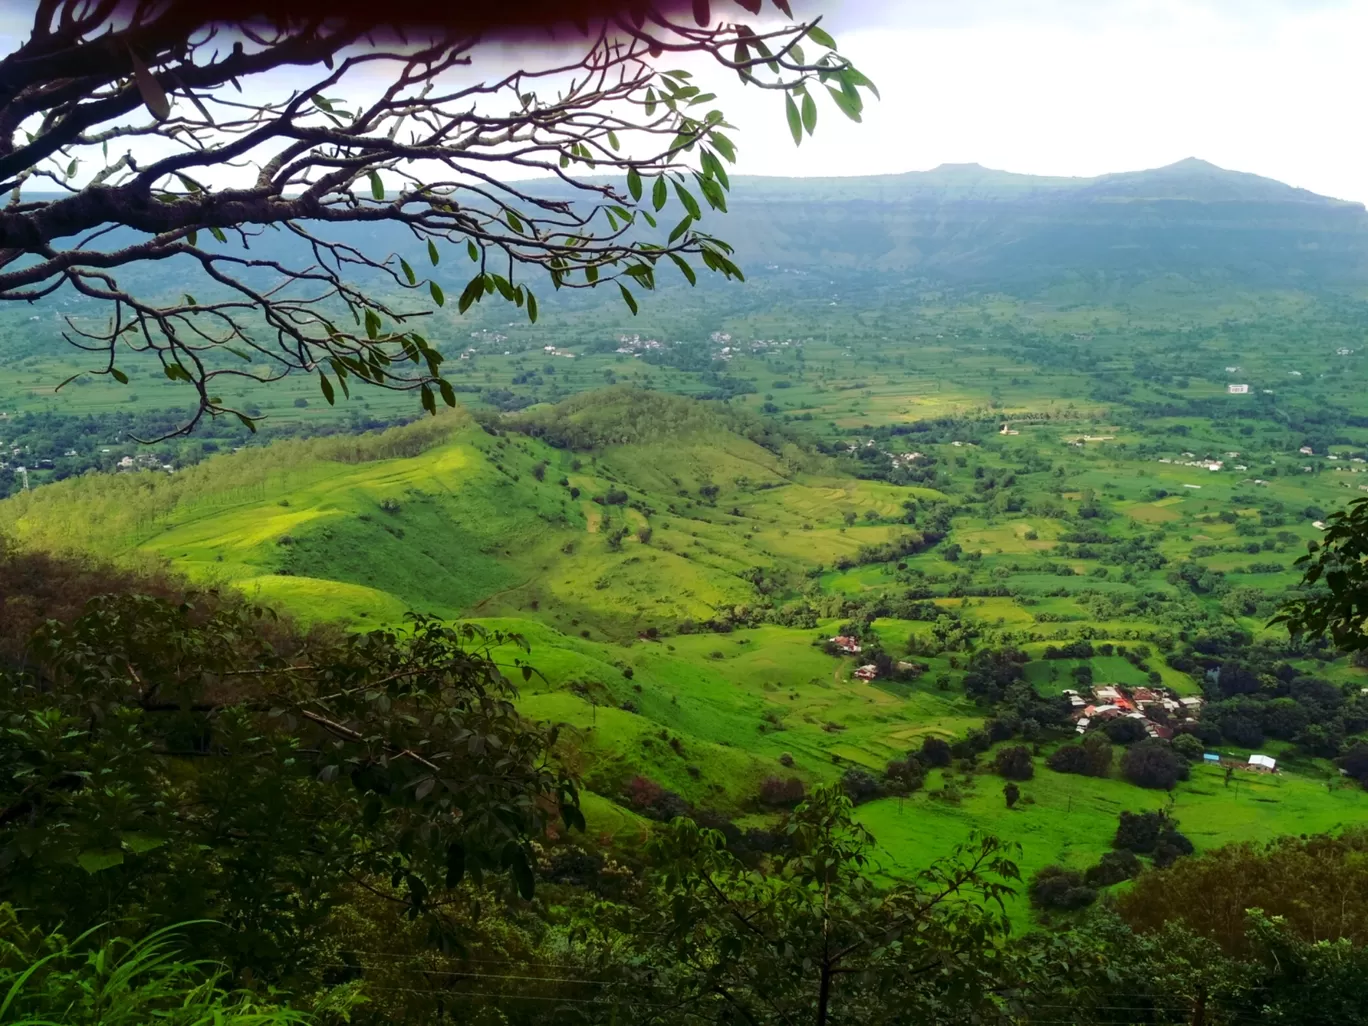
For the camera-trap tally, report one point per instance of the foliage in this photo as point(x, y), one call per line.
point(163, 761)
point(1339, 606)
point(1055, 887)
point(1091, 757)
point(1153, 763)
point(94, 980)
point(1014, 762)
point(814, 938)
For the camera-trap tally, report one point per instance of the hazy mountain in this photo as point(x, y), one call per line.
point(975, 226)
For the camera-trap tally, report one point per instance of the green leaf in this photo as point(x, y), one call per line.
point(531, 308)
point(472, 251)
point(850, 108)
point(118, 375)
point(192, 237)
point(684, 268)
point(628, 298)
point(408, 271)
point(634, 183)
point(473, 291)
point(658, 193)
point(432, 252)
point(377, 186)
point(613, 139)
point(591, 273)
point(681, 228)
point(809, 112)
point(327, 388)
point(448, 393)
point(429, 400)
point(795, 120)
point(138, 843)
point(95, 861)
point(522, 875)
point(247, 421)
point(372, 324)
point(686, 198)
point(513, 221)
point(723, 145)
point(819, 36)
point(217, 233)
point(437, 296)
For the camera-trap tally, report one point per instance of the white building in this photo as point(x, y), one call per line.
point(1237, 389)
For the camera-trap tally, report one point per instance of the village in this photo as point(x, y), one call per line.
point(1159, 710)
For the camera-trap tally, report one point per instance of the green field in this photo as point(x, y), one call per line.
point(675, 564)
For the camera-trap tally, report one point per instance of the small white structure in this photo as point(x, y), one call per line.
point(1237, 389)
point(1306, 450)
point(1263, 761)
point(1319, 525)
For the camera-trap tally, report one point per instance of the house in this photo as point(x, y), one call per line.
point(1306, 450)
point(1264, 762)
point(1106, 693)
point(1237, 389)
point(1082, 725)
point(1319, 525)
point(867, 672)
point(1191, 702)
point(846, 644)
point(1143, 696)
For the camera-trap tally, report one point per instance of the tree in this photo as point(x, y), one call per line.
point(1112, 868)
point(1124, 730)
point(1092, 757)
point(1011, 794)
point(1014, 763)
point(1354, 762)
point(1055, 887)
point(1189, 747)
point(935, 751)
point(313, 217)
point(164, 761)
point(814, 939)
point(1153, 763)
point(1339, 607)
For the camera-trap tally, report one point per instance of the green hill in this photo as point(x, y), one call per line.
point(647, 509)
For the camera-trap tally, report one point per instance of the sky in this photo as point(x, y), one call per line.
point(1086, 87)
point(1062, 87)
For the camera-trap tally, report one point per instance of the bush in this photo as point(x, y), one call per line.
point(1091, 758)
point(1011, 793)
point(1014, 763)
point(1354, 762)
point(1189, 747)
point(1112, 868)
point(860, 786)
point(905, 775)
point(935, 752)
point(782, 793)
point(1151, 833)
point(1153, 764)
point(1125, 730)
point(1055, 887)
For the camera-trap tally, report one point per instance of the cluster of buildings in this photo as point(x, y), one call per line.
point(1110, 701)
point(143, 461)
point(635, 345)
point(898, 459)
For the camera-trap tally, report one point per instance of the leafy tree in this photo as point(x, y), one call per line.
point(860, 786)
point(1014, 763)
point(1317, 886)
point(1011, 794)
point(935, 751)
point(1091, 757)
point(1189, 747)
point(1335, 582)
point(1055, 887)
point(320, 253)
point(1354, 762)
point(1153, 763)
point(164, 761)
point(1112, 868)
point(1124, 730)
point(814, 939)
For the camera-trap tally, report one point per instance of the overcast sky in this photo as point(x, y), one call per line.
point(1084, 87)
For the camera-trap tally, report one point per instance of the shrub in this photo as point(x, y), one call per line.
point(1125, 730)
point(1014, 763)
point(782, 793)
point(935, 752)
point(1011, 793)
point(1055, 887)
point(1091, 758)
point(1189, 747)
point(1153, 764)
point(860, 786)
point(905, 775)
point(1354, 762)
point(1148, 833)
point(1112, 868)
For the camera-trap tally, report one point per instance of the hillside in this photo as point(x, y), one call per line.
point(991, 229)
point(661, 520)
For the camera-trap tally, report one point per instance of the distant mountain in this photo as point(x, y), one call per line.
point(971, 225)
